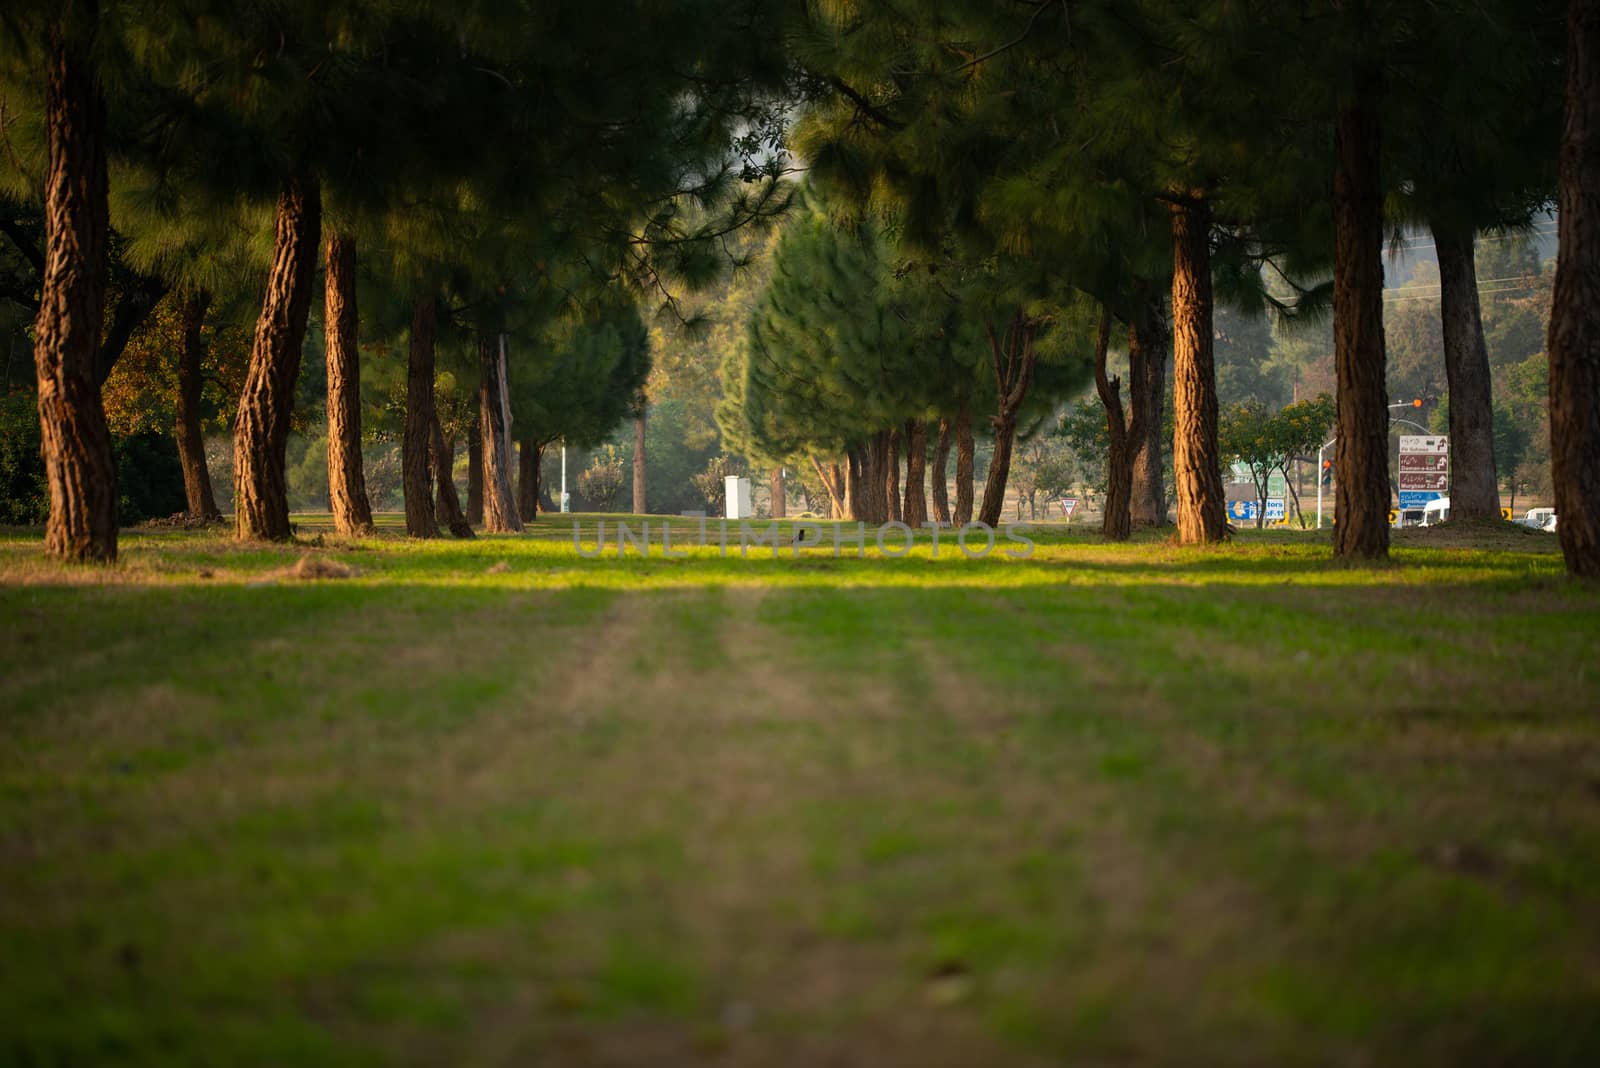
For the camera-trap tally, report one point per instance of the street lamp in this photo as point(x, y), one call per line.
point(1414, 403)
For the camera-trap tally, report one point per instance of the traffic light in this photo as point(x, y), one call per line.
point(1327, 472)
point(1417, 403)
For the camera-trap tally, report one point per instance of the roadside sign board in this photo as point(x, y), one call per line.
point(1241, 509)
point(1275, 509)
point(1424, 473)
point(1277, 486)
point(1436, 446)
point(1424, 480)
point(1068, 506)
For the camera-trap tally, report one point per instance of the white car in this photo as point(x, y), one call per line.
point(1539, 519)
point(1435, 512)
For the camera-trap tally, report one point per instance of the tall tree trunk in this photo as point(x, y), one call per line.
point(780, 505)
point(421, 518)
point(874, 502)
point(447, 506)
point(853, 486)
point(1013, 361)
point(1361, 460)
point(1147, 392)
point(966, 458)
point(1474, 486)
point(1196, 456)
point(915, 512)
point(261, 432)
point(191, 442)
point(891, 476)
point(1119, 461)
point(76, 445)
point(347, 485)
point(941, 469)
point(528, 452)
point(475, 470)
point(639, 456)
point(1574, 341)
point(833, 481)
point(499, 506)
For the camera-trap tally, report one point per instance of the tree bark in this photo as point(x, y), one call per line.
point(499, 506)
point(941, 468)
point(421, 511)
point(447, 506)
point(891, 477)
point(1147, 390)
point(1196, 456)
point(915, 512)
point(875, 479)
point(261, 433)
point(75, 445)
point(833, 481)
point(1013, 361)
point(638, 457)
point(347, 484)
point(197, 490)
point(475, 470)
point(528, 455)
point(1361, 459)
point(1574, 339)
point(966, 456)
point(780, 505)
point(1474, 485)
point(852, 484)
point(1119, 461)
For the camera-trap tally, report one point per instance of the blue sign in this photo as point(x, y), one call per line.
point(1418, 498)
point(1275, 509)
point(1242, 510)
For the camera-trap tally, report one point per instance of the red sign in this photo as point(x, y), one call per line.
point(1069, 505)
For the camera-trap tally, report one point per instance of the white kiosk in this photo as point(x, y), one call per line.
point(736, 491)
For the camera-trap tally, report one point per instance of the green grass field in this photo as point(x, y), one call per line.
point(490, 803)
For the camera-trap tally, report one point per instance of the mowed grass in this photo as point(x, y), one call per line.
point(492, 803)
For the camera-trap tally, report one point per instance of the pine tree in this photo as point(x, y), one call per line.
point(1574, 342)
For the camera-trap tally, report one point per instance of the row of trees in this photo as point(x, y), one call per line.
point(1243, 154)
point(1003, 193)
point(504, 180)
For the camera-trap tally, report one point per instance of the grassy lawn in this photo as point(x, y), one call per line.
point(492, 803)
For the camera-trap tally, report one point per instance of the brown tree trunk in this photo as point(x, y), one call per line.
point(780, 505)
point(1013, 360)
point(528, 453)
point(915, 512)
point(347, 485)
point(447, 506)
point(833, 481)
point(475, 470)
point(261, 433)
point(191, 443)
point(1147, 390)
point(499, 506)
point(966, 456)
point(1196, 457)
point(891, 477)
point(1574, 340)
point(1474, 486)
point(421, 517)
point(941, 468)
point(638, 457)
point(852, 484)
point(875, 479)
point(1119, 461)
point(76, 445)
point(1361, 459)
